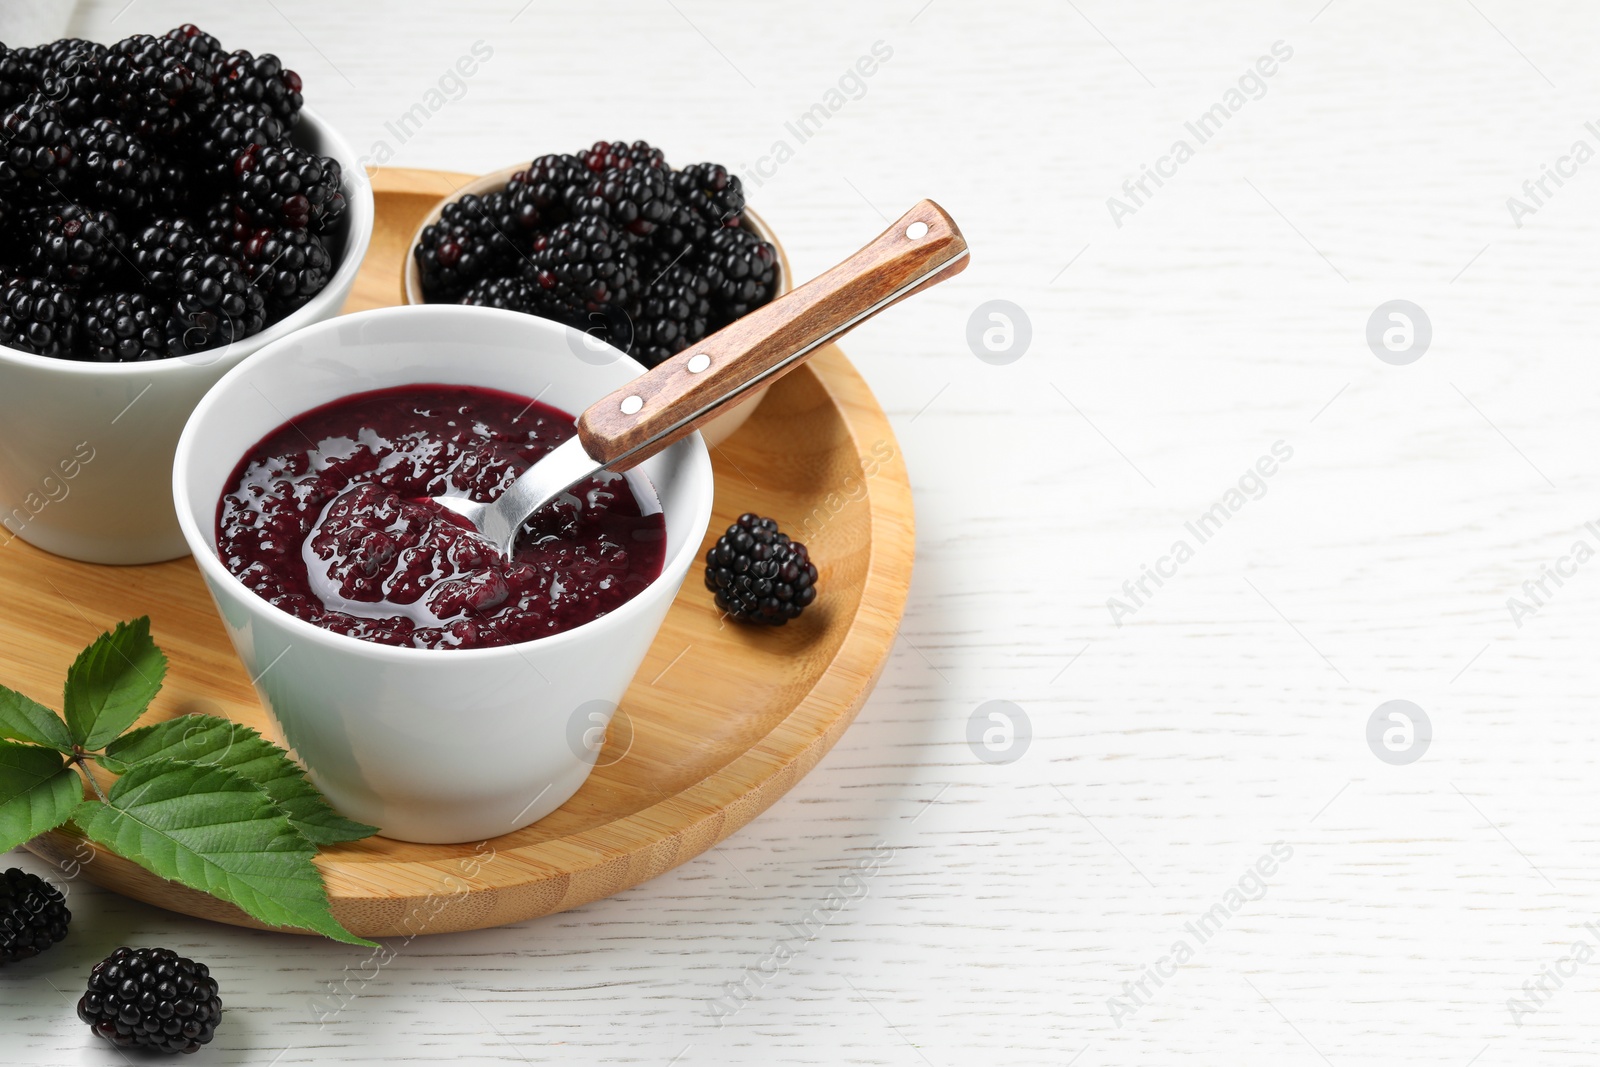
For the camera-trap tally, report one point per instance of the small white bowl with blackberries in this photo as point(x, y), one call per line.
point(168, 205)
point(632, 254)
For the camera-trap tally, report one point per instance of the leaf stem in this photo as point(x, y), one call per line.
point(80, 760)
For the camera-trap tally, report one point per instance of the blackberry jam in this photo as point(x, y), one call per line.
point(329, 518)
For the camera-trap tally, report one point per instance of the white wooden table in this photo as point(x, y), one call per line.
point(1227, 715)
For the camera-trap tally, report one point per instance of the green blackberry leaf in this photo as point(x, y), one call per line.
point(38, 792)
point(216, 831)
point(22, 719)
point(112, 682)
point(211, 741)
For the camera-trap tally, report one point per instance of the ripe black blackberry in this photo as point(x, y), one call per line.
point(72, 76)
point(464, 246)
point(115, 168)
point(75, 244)
point(585, 265)
point(280, 185)
point(741, 269)
point(521, 208)
point(224, 133)
point(511, 293)
point(158, 84)
point(152, 998)
point(289, 266)
point(124, 328)
point(635, 199)
point(224, 222)
point(545, 186)
point(758, 574)
point(37, 316)
point(196, 40)
point(674, 313)
point(58, 54)
point(244, 78)
point(515, 222)
point(19, 77)
point(604, 156)
point(36, 154)
point(160, 249)
point(683, 229)
point(216, 305)
point(710, 192)
point(33, 915)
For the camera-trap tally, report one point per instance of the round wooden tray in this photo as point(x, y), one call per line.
point(720, 721)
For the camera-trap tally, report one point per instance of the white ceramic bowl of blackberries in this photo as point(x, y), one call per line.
point(168, 206)
point(630, 253)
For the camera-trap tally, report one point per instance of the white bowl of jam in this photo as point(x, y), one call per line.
point(432, 687)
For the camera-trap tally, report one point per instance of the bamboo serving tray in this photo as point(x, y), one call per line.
point(720, 722)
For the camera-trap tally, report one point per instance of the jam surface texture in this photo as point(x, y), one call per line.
point(328, 518)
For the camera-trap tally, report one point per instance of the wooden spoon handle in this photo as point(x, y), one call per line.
point(652, 411)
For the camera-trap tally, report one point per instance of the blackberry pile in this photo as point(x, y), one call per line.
point(151, 998)
point(611, 241)
point(152, 203)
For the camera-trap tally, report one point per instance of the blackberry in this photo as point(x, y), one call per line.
point(115, 168)
point(674, 313)
point(741, 269)
point(76, 244)
point(515, 220)
point(635, 199)
point(683, 229)
point(231, 128)
point(604, 156)
point(524, 207)
point(512, 294)
point(59, 55)
point(33, 915)
point(19, 78)
point(197, 40)
point(225, 223)
point(289, 266)
point(37, 316)
point(758, 574)
point(585, 265)
point(216, 305)
point(158, 84)
point(152, 998)
point(221, 136)
point(464, 246)
point(612, 324)
point(160, 249)
point(243, 78)
point(710, 192)
point(35, 148)
point(124, 328)
point(280, 185)
point(72, 76)
point(546, 186)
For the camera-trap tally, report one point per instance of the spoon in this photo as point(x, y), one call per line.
point(633, 423)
